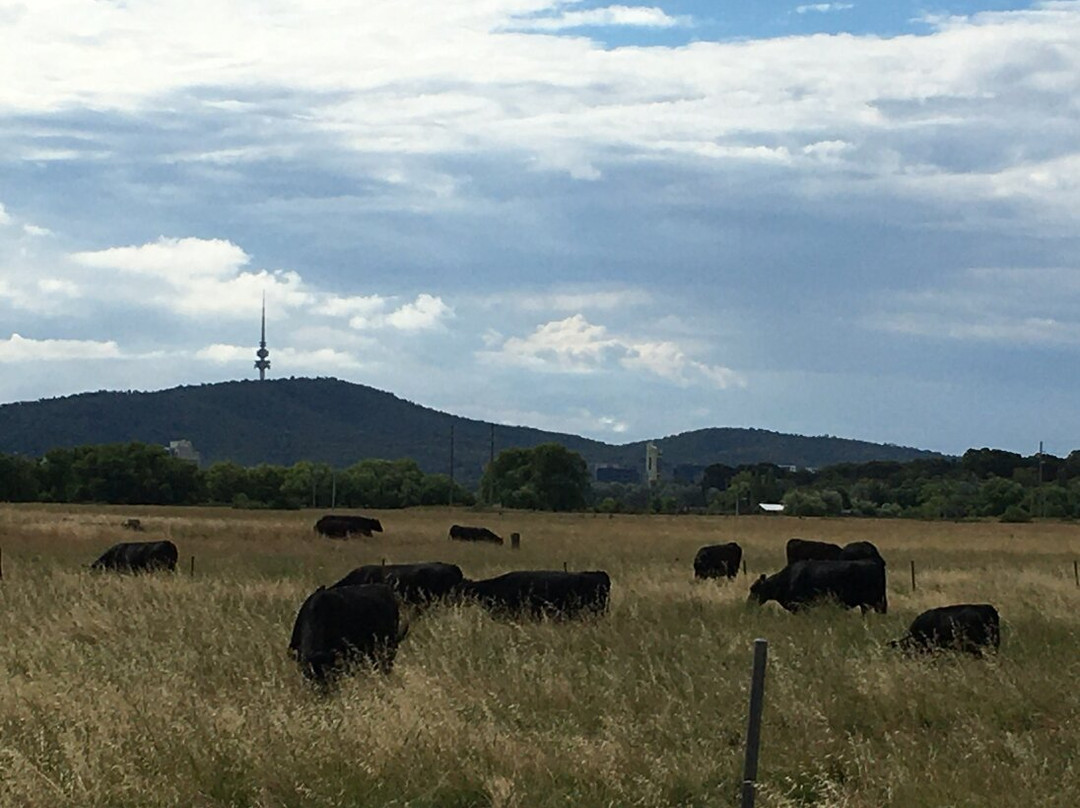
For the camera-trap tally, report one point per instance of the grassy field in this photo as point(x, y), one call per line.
point(177, 690)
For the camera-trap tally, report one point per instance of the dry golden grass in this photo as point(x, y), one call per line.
point(177, 690)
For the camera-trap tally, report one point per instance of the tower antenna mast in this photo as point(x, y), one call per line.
point(262, 364)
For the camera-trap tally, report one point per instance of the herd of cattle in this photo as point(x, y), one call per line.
point(360, 616)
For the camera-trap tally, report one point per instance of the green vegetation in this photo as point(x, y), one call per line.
point(168, 690)
point(984, 483)
point(285, 421)
point(548, 477)
point(139, 474)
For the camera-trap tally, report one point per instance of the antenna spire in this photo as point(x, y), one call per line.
point(262, 364)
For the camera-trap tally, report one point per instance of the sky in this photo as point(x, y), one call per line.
point(621, 221)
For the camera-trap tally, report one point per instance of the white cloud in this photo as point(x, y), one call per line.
point(636, 16)
point(34, 230)
point(425, 313)
point(170, 258)
point(574, 345)
point(21, 349)
point(823, 8)
point(191, 276)
point(300, 361)
point(5, 217)
point(539, 300)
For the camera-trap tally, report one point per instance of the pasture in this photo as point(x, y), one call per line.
point(176, 690)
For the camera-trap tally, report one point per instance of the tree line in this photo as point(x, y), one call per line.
point(146, 474)
point(983, 483)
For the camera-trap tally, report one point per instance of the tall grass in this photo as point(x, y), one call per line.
point(177, 690)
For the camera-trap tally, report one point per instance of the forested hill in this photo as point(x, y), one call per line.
point(287, 420)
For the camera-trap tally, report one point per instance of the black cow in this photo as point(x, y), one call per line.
point(540, 593)
point(464, 533)
point(345, 624)
point(339, 526)
point(857, 550)
point(138, 556)
point(414, 583)
point(808, 550)
point(970, 627)
point(716, 560)
point(852, 583)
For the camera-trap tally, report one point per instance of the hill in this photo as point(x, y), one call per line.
point(328, 420)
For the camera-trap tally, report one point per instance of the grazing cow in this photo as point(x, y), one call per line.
point(345, 624)
point(857, 550)
point(132, 524)
point(138, 556)
point(463, 533)
point(717, 560)
point(339, 526)
point(414, 583)
point(971, 627)
point(853, 583)
point(539, 593)
point(807, 550)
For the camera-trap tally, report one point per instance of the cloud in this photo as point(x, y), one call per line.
point(574, 345)
point(374, 312)
point(5, 217)
point(312, 361)
point(192, 276)
point(424, 313)
point(21, 349)
point(1014, 306)
point(636, 16)
point(170, 258)
point(823, 8)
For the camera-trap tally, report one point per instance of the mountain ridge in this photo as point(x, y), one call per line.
point(282, 421)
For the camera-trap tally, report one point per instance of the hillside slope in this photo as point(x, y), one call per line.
point(328, 420)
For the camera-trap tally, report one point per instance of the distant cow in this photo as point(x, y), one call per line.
point(858, 550)
point(463, 533)
point(346, 624)
point(138, 556)
point(413, 583)
point(132, 524)
point(852, 583)
point(540, 593)
point(808, 550)
point(970, 627)
point(339, 526)
point(718, 560)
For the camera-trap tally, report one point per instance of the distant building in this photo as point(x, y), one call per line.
point(771, 507)
point(652, 462)
point(184, 450)
point(617, 474)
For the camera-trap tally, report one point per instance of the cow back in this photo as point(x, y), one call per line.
point(717, 560)
point(809, 550)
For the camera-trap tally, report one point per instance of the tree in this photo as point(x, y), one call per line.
point(546, 477)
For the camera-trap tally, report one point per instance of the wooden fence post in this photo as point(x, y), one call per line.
point(1076, 571)
point(564, 569)
point(912, 575)
point(744, 568)
point(1, 563)
point(753, 724)
point(193, 566)
point(515, 541)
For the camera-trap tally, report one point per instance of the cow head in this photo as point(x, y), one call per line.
point(758, 590)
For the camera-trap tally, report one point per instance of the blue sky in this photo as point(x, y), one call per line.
point(619, 220)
